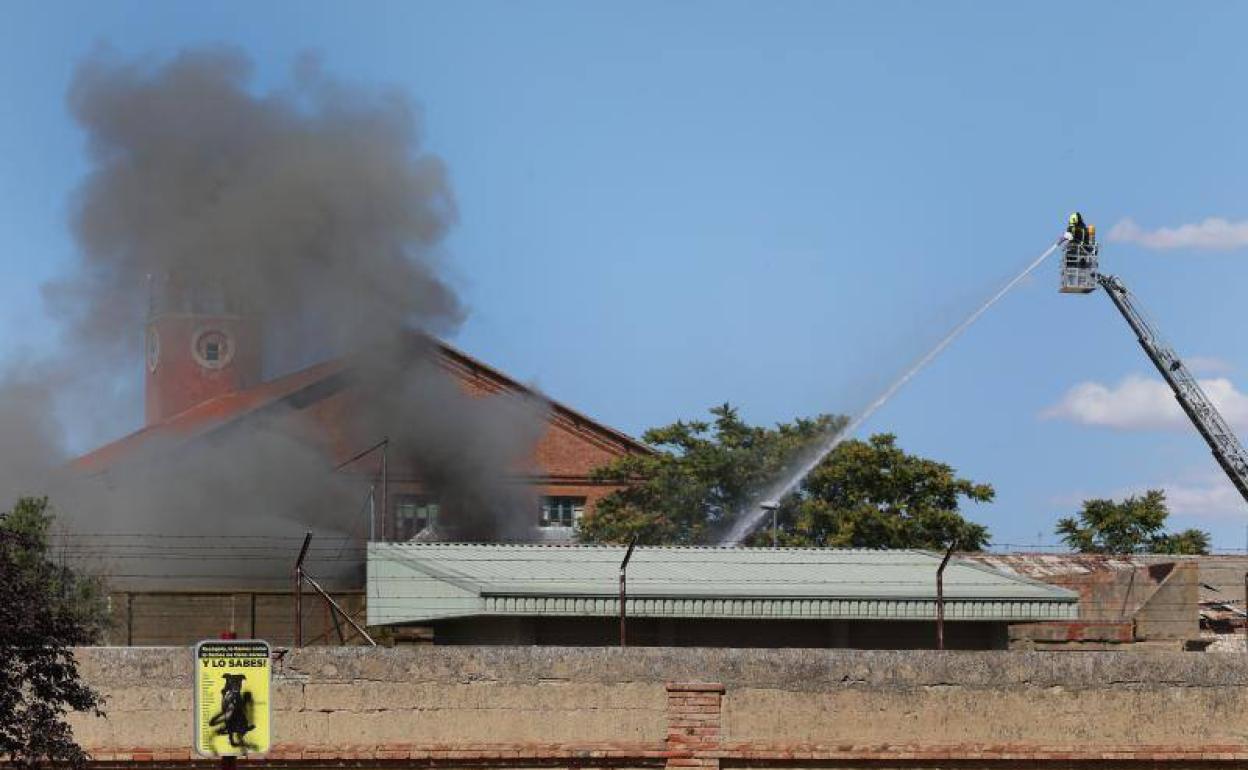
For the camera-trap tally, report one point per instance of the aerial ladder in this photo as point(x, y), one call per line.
point(1080, 275)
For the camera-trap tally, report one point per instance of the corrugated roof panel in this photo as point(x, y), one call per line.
point(576, 570)
point(700, 582)
point(898, 609)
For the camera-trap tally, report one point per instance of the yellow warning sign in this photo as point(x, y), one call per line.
point(232, 706)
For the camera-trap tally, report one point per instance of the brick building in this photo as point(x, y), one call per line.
point(1132, 601)
point(204, 376)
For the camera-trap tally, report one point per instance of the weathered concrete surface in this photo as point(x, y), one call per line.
point(490, 695)
point(1122, 600)
point(381, 696)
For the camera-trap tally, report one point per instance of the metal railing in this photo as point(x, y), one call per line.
point(1079, 266)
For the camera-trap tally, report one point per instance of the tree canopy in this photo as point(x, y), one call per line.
point(874, 494)
point(47, 610)
point(869, 494)
point(1134, 525)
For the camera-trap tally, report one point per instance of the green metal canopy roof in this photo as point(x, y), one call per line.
point(418, 582)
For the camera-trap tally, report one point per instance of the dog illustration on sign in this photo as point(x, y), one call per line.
point(233, 720)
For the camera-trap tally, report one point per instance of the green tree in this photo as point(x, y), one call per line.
point(42, 618)
point(78, 596)
point(873, 494)
point(701, 474)
point(1134, 525)
point(1189, 542)
point(868, 494)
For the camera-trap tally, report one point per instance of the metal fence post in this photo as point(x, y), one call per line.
point(303, 552)
point(940, 598)
point(624, 592)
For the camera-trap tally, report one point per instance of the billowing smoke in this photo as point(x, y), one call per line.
point(312, 209)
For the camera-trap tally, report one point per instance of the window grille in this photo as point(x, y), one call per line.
point(561, 512)
point(414, 514)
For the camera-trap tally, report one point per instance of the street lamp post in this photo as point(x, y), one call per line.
point(773, 506)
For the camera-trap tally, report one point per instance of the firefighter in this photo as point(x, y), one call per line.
point(1076, 231)
point(1078, 238)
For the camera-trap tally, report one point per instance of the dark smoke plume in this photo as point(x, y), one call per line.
point(313, 209)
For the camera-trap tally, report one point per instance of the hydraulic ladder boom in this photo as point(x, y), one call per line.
point(1213, 428)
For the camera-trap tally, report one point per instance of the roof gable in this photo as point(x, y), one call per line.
point(318, 382)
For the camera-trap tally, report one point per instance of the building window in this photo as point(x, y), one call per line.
point(561, 511)
point(212, 348)
point(414, 514)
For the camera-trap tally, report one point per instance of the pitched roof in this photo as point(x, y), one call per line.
point(210, 414)
point(315, 381)
point(457, 360)
point(414, 582)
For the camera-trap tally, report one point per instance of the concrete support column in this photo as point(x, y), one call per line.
point(693, 738)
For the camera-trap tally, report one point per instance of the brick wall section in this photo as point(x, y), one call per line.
point(1059, 632)
point(693, 731)
point(562, 457)
point(1156, 602)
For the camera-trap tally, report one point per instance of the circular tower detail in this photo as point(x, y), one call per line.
point(195, 357)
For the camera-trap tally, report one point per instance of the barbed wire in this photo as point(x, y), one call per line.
point(991, 548)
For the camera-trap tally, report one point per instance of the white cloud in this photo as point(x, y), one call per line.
point(1208, 365)
point(1213, 233)
point(1211, 497)
point(1198, 494)
point(1143, 403)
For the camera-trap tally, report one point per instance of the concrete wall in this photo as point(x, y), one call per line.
point(1172, 611)
point(1153, 605)
point(1223, 573)
point(688, 707)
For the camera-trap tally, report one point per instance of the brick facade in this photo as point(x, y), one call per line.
point(177, 377)
point(186, 400)
point(693, 730)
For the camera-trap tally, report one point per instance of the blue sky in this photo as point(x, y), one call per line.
point(665, 206)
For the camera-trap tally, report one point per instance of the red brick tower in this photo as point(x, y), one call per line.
point(198, 348)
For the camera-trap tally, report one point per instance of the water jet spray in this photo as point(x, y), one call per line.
point(748, 520)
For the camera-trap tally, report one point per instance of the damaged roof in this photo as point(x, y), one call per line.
point(1042, 566)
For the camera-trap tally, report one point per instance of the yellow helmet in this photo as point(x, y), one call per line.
point(1074, 218)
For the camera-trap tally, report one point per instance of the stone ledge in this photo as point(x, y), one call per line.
point(650, 754)
point(695, 687)
point(795, 670)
